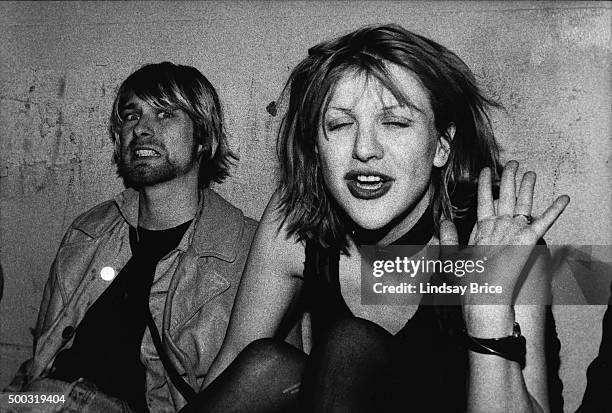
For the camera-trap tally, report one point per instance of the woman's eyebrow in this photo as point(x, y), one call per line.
point(407, 105)
point(386, 108)
point(348, 111)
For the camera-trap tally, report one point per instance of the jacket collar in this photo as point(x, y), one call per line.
point(219, 228)
point(215, 232)
point(127, 202)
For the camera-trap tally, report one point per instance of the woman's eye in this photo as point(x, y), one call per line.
point(397, 123)
point(332, 126)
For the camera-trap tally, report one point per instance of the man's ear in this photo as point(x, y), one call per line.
point(443, 146)
point(206, 148)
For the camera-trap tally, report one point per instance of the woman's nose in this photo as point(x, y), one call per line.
point(366, 145)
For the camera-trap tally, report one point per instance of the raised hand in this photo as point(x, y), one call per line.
point(506, 226)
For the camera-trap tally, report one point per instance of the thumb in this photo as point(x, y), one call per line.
point(448, 233)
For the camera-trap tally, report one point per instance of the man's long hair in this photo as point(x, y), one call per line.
point(166, 85)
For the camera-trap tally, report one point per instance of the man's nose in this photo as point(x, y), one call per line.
point(144, 127)
point(366, 145)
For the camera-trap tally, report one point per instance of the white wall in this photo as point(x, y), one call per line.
point(548, 63)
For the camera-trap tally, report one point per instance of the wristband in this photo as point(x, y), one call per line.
point(513, 348)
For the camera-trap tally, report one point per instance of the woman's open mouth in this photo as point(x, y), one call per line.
point(368, 185)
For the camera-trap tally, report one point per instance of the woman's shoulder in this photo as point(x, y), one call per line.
point(275, 242)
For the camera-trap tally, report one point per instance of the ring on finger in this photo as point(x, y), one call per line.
point(528, 218)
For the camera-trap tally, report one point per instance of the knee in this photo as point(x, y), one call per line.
point(263, 349)
point(355, 329)
point(263, 355)
point(356, 334)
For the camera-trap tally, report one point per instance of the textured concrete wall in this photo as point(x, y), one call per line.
point(548, 64)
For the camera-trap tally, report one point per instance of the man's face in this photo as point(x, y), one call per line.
point(156, 144)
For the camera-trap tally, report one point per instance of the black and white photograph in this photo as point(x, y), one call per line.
point(306, 206)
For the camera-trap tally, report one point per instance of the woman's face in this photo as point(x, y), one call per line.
point(376, 154)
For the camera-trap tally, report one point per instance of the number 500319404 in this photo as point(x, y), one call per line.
point(35, 398)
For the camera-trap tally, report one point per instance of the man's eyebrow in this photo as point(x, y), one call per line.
point(127, 106)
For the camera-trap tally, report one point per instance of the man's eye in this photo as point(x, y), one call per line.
point(130, 116)
point(165, 114)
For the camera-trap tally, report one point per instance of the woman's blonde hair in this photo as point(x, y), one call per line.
point(308, 210)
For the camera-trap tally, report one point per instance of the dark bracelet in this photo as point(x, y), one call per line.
point(513, 348)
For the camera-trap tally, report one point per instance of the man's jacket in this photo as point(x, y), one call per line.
point(191, 298)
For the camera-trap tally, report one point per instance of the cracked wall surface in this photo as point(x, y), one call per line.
point(60, 64)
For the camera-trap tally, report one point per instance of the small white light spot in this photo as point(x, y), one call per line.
point(107, 273)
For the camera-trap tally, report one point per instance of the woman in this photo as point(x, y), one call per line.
point(386, 140)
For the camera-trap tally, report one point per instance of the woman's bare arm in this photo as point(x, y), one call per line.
point(270, 283)
point(507, 235)
point(497, 384)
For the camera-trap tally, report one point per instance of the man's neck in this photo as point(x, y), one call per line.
point(168, 204)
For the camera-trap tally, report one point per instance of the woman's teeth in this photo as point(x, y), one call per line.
point(369, 181)
point(368, 186)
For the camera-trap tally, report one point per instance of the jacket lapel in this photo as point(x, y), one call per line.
point(197, 280)
point(195, 283)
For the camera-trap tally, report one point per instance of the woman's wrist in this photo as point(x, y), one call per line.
point(488, 321)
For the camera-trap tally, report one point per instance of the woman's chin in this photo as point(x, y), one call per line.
point(367, 223)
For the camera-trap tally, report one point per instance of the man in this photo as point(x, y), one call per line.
point(141, 290)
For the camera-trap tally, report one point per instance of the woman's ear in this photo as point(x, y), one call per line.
point(443, 147)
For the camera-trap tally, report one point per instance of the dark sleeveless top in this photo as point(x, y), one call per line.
point(431, 345)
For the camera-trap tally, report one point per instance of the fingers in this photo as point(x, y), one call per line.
point(485, 196)
point(524, 201)
point(507, 189)
point(545, 221)
point(509, 205)
point(448, 233)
